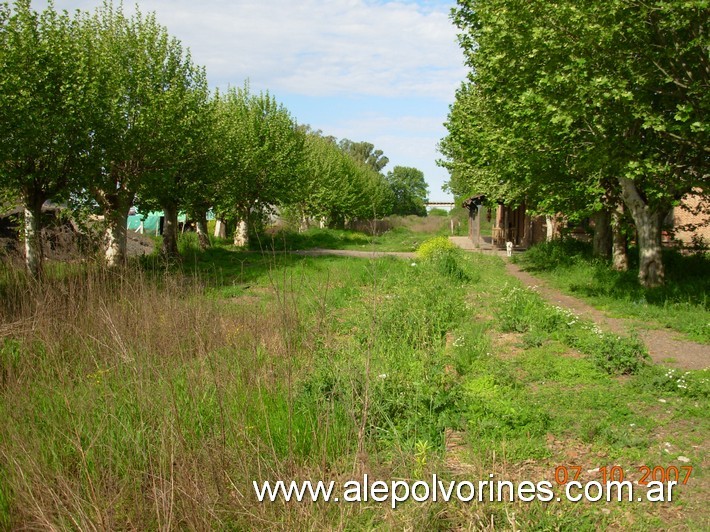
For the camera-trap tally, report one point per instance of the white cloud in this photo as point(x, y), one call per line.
point(317, 47)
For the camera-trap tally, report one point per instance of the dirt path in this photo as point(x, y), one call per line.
point(663, 346)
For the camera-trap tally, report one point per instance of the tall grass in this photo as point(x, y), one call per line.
point(148, 398)
point(152, 397)
point(132, 400)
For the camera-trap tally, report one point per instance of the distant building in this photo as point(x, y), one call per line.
point(511, 224)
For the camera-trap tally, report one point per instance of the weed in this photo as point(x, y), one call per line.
point(522, 310)
point(691, 384)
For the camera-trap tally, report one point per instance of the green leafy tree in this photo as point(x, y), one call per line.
point(261, 151)
point(336, 187)
point(144, 84)
point(183, 177)
point(409, 190)
point(365, 153)
point(44, 99)
point(610, 97)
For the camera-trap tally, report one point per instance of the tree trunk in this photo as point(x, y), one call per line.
point(241, 234)
point(201, 229)
point(115, 235)
point(553, 227)
point(303, 225)
point(601, 245)
point(220, 229)
point(648, 227)
point(170, 230)
point(619, 253)
point(34, 252)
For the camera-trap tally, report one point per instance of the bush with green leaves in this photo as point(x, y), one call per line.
point(447, 258)
point(617, 355)
point(694, 384)
point(435, 246)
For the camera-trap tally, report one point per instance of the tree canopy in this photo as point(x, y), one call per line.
point(570, 105)
point(109, 111)
point(409, 190)
point(44, 122)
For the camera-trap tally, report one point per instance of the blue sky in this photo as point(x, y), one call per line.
point(379, 71)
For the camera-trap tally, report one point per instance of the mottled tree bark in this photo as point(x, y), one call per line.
point(619, 253)
point(170, 229)
point(553, 227)
point(115, 235)
point(648, 228)
point(241, 234)
point(220, 229)
point(34, 251)
point(201, 229)
point(304, 223)
point(602, 242)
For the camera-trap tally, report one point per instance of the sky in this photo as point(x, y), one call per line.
point(379, 71)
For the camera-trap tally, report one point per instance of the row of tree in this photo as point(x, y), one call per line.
point(585, 108)
point(104, 111)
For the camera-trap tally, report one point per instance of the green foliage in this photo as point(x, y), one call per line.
point(446, 257)
point(45, 104)
point(108, 110)
point(500, 411)
point(523, 311)
point(435, 246)
point(261, 152)
point(412, 397)
point(682, 303)
point(571, 106)
point(295, 367)
point(409, 190)
point(10, 354)
point(337, 185)
point(364, 153)
point(691, 384)
point(614, 354)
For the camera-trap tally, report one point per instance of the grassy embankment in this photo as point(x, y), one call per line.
point(683, 304)
point(152, 398)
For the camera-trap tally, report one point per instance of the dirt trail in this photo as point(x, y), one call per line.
point(663, 345)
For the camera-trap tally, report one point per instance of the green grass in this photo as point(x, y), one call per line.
point(152, 397)
point(682, 304)
point(392, 234)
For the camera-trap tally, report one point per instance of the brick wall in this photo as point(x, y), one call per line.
point(684, 219)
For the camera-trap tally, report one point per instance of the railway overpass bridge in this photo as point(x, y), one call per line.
point(446, 205)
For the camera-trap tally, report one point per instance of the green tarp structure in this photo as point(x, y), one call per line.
point(151, 221)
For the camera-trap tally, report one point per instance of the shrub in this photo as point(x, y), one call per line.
point(446, 258)
point(521, 310)
point(435, 246)
point(694, 384)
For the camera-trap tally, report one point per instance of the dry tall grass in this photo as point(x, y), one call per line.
point(136, 402)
